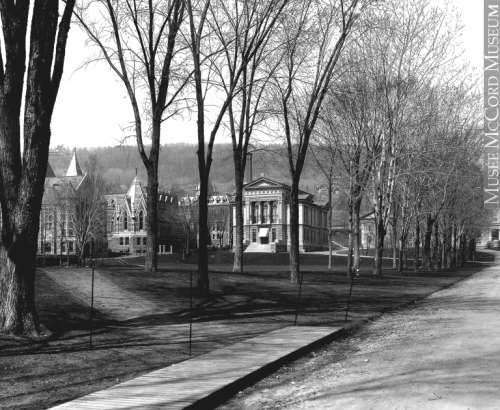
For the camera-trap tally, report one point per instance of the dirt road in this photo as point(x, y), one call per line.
point(442, 353)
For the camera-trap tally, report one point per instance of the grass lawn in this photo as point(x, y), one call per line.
point(141, 320)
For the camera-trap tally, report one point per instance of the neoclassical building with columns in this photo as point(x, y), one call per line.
point(267, 218)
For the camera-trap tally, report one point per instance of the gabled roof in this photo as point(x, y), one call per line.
point(50, 172)
point(74, 169)
point(264, 182)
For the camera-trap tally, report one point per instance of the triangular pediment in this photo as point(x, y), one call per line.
point(264, 182)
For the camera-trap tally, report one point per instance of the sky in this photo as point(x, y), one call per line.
point(92, 107)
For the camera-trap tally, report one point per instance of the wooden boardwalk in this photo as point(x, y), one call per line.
point(206, 380)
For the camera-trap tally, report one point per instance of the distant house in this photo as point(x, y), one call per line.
point(266, 216)
point(126, 216)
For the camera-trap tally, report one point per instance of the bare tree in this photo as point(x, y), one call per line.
point(185, 219)
point(138, 39)
point(408, 47)
point(224, 38)
point(88, 206)
point(22, 170)
point(219, 221)
point(314, 36)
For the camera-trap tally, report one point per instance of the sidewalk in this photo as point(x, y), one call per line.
point(205, 380)
point(441, 353)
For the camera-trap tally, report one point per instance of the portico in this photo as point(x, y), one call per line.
point(266, 217)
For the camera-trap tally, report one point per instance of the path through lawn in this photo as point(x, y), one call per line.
point(142, 321)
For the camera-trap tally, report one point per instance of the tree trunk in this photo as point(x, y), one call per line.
point(356, 233)
point(203, 281)
point(151, 262)
point(454, 247)
point(426, 257)
point(379, 245)
point(401, 252)
point(394, 244)
point(437, 254)
point(417, 245)
point(350, 251)
point(463, 249)
point(294, 232)
point(17, 283)
point(330, 231)
point(238, 209)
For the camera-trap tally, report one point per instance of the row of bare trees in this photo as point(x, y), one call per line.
point(233, 66)
point(402, 129)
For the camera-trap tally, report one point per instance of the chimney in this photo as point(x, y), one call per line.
point(250, 177)
point(248, 174)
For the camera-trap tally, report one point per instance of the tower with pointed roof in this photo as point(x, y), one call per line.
point(74, 169)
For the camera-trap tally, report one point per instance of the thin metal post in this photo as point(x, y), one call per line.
point(91, 307)
point(190, 310)
point(298, 298)
point(351, 273)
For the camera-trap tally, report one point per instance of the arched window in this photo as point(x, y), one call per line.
point(125, 222)
point(141, 220)
point(275, 212)
point(265, 213)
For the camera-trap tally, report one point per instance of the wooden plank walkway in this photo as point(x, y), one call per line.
point(204, 381)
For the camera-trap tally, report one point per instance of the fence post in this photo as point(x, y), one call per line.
point(351, 274)
point(91, 307)
point(190, 310)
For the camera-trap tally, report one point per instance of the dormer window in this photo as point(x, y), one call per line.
point(141, 220)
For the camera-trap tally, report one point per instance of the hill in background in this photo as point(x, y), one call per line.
point(178, 167)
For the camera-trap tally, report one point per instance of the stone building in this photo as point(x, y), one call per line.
point(126, 217)
point(219, 215)
point(57, 235)
point(267, 218)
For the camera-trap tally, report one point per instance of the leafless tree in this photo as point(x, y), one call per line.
point(87, 206)
point(224, 38)
point(410, 45)
point(139, 40)
point(314, 36)
point(185, 219)
point(34, 79)
point(219, 221)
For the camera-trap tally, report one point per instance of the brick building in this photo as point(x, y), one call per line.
point(126, 216)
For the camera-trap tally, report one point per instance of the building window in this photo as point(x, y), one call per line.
point(70, 247)
point(126, 241)
point(63, 247)
point(255, 218)
point(265, 213)
point(144, 241)
point(273, 234)
point(138, 241)
point(121, 241)
point(125, 223)
point(48, 248)
point(274, 213)
point(254, 235)
point(70, 228)
point(141, 221)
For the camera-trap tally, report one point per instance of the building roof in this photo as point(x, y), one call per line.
point(50, 172)
point(74, 169)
